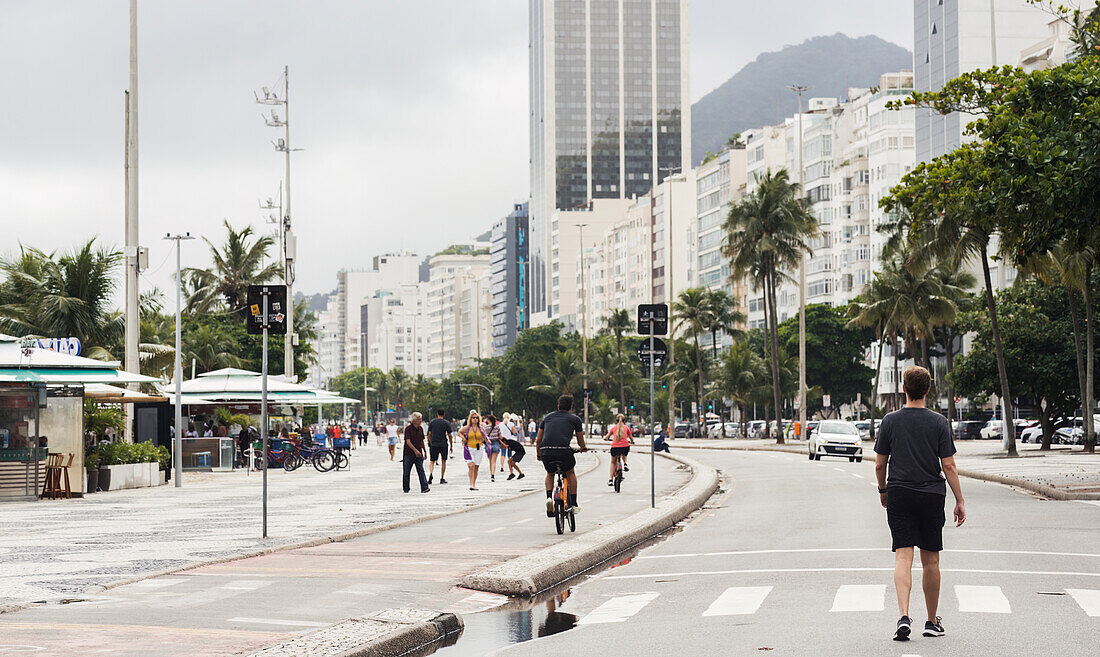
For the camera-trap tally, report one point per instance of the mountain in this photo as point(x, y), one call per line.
point(753, 97)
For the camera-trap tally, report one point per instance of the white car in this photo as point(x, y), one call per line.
point(836, 438)
point(1032, 434)
point(992, 429)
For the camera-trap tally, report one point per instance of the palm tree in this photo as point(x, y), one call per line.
point(46, 295)
point(954, 286)
point(740, 375)
point(692, 311)
point(400, 386)
point(210, 348)
point(562, 374)
point(603, 367)
point(722, 314)
point(236, 265)
point(767, 232)
point(617, 324)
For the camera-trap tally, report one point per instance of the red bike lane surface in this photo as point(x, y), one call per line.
point(258, 601)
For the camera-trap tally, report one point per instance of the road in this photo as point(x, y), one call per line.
point(236, 607)
point(794, 559)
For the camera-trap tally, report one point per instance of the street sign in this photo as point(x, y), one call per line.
point(588, 393)
point(826, 401)
point(275, 322)
point(659, 353)
point(859, 397)
point(658, 312)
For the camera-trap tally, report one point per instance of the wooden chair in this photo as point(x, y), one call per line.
point(52, 488)
point(65, 473)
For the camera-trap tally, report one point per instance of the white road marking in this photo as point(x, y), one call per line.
point(838, 469)
point(1089, 600)
point(860, 597)
point(1090, 502)
point(618, 609)
point(520, 522)
point(244, 585)
point(738, 600)
point(158, 583)
point(757, 571)
point(477, 602)
point(463, 540)
point(730, 553)
point(356, 589)
point(493, 531)
point(982, 599)
point(275, 621)
point(857, 476)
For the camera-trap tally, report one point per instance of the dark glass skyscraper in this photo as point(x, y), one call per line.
point(509, 268)
point(610, 109)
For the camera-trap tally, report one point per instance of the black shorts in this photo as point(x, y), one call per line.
point(916, 518)
point(552, 459)
point(516, 456)
point(620, 451)
point(437, 452)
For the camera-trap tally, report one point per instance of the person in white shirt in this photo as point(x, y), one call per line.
point(392, 436)
point(532, 430)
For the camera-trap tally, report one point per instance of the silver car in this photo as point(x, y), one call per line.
point(836, 438)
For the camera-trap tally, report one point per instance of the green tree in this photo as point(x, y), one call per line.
point(238, 263)
point(520, 370)
point(767, 232)
point(618, 324)
point(691, 311)
point(741, 374)
point(834, 353)
point(562, 374)
point(722, 317)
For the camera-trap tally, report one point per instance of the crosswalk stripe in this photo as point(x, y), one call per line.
point(982, 599)
point(158, 583)
point(618, 609)
point(244, 585)
point(1088, 599)
point(860, 597)
point(738, 600)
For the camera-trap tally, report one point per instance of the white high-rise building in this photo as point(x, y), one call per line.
point(610, 115)
point(458, 310)
point(354, 288)
point(566, 228)
point(398, 329)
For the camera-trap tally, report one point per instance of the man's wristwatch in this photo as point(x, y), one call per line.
point(881, 490)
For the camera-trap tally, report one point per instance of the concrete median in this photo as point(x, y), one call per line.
point(529, 574)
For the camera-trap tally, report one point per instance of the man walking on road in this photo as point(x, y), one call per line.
point(553, 448)
point(413, 454)
point(440, 442)
point(913, 446)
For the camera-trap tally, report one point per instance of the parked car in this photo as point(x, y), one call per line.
point(733, 429)
point(811, 426)
point(756, 429)
point(864, 428)
point(683, 430)
point(992, 429)
point(1032, 434)
point(968, 429)
point(713, 429)
point(836, 438)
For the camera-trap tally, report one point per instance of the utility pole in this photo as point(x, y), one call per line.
point(289, 242)
point(584, 328)
point(669, 296)
point(177, 443)
point(133, 248)
point(800, 89)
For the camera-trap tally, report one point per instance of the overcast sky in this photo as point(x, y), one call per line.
point(412, 114)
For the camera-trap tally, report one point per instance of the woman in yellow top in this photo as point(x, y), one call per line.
point(475, 445)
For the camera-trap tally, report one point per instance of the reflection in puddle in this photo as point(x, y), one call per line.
point(514, 622)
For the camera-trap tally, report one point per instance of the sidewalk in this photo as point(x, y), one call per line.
point(52, 549)
point(1063, 472)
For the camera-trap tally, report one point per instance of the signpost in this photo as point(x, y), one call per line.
point(826, 401)
point(652, 321)
point(266, 315)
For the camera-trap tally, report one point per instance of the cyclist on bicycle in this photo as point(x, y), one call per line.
point(621, 439)
point(553, 447)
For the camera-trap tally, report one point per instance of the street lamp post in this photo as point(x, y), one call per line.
point(800, 89)
point(584, 327)
point(177, 443)
point(669, 297)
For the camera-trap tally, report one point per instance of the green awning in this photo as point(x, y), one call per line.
point(50, 376)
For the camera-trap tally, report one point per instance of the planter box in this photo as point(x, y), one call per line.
point(134, 475)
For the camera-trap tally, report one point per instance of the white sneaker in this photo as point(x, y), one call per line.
point(549, 507)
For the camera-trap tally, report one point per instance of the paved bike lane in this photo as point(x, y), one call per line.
point(237, 606)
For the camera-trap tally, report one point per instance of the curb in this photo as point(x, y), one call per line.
point(535, 572)
point(1040, 489)
point(388, 633)
point(312, 542)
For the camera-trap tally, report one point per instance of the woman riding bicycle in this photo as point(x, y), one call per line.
point(475, 444)
point(621, 438)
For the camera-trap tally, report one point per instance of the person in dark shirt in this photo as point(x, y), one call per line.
point(554, 448)
point(439, 444)
point(912, 447)
point(516, 455)
point(412, 455)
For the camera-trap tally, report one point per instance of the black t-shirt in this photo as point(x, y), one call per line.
point(915, 439)
point(437, 432)
point(514, 445)
point(559, 428)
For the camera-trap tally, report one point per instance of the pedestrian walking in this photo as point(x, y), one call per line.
point(516, 454)
point(492, 429)
point(914, 455)
point(475, 445)
point(440, 442)
point(504, 434)
point(532, 431)
point(391, 436)
point(412, 454)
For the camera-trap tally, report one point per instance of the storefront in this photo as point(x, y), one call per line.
point(22, 456)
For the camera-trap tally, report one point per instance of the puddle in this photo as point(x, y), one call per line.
point(514, 622)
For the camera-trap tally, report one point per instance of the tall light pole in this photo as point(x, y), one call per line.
point(133, 248)
point(289, 245)
point(177, 443)
point(584, 327)
point(800, 89)
point(670, 298)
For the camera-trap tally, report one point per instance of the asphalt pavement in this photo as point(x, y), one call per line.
point(239, 606)
point(794, 559)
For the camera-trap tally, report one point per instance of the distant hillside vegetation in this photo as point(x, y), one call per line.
point(754, 96)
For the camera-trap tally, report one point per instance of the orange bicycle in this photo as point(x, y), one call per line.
point(562, 511)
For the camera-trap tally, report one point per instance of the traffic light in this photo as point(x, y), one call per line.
point(458, 390)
